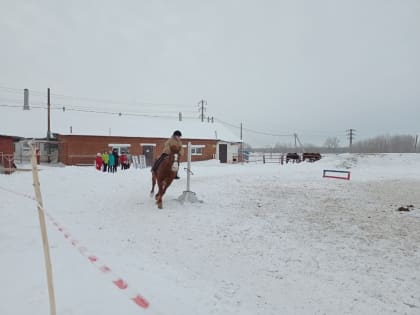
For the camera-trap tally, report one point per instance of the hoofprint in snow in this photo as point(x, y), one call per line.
point(267, 239)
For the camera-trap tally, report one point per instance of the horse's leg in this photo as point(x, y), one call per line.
point(164, 187)
point(159, 200)
point(153, 184)
point(159, 195)
point(159, 203)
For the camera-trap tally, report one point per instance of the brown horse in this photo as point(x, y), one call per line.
point(164, 175)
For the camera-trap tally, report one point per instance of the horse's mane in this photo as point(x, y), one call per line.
point(174, 149)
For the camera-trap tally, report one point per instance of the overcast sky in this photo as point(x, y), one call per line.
point(315, 68)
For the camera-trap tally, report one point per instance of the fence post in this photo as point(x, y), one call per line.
point(43, 230)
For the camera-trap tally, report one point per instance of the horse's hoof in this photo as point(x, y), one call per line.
point(160, 206)
point(151, 194)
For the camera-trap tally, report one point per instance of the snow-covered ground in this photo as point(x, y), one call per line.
point(267, 239)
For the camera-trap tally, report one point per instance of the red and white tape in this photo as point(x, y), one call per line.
point(120, 283)
point(105, 269)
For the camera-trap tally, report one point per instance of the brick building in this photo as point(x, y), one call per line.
point(76, 137)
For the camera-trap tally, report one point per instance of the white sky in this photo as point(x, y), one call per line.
point(267, 239)
point(279, 67)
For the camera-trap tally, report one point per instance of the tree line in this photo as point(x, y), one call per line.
point(378, 144)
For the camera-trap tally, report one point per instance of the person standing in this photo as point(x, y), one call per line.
point(123, 161)
point(116, 159)
point(111, 162)
point(105, 160)
point(173, 141)
point(98, 161)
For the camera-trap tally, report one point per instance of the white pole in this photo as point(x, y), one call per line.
point(188, 195)
point(43, 230)
point(188, 166)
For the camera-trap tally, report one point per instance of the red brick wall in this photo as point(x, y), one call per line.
point(6, 145)
point(6, 148)
point(83, 149)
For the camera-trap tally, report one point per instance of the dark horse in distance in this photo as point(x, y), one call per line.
point(165, 174)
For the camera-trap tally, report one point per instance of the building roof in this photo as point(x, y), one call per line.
point(33, 123)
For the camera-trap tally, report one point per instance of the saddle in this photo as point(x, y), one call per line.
point(158, 161)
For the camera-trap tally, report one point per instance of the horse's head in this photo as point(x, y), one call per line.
point(175, 163)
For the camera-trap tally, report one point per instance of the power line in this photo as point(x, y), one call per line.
point(253, 131)
point(91, 99)
point(147, 108)
point(116, 113)
point(268, 133)
point(158, 109)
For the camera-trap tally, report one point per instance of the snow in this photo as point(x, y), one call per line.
point(267, 239)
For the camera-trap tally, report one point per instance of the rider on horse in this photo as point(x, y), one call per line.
point(175, 140)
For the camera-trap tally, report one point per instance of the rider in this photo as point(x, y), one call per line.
point(174, 140)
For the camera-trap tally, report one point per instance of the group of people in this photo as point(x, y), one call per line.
point(109, 161)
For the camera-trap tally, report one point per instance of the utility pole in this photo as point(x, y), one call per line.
point(49, 110)
point(49, 127)
point(241, 155)
point(415, 143)
point(350, 134)
point(297, 140)
point(201, 105)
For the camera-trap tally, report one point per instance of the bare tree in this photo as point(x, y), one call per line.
point(331, 144)
point(386, 144)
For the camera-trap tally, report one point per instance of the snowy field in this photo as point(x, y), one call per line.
point(267, 239)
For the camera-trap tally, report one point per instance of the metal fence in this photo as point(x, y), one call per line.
point(258, 157)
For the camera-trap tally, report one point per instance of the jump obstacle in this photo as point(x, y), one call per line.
point(326, 175)
point(188, 195)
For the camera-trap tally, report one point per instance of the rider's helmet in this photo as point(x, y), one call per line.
point(177, 133)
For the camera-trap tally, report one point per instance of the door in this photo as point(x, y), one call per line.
point(148, 154)
point(223, 153)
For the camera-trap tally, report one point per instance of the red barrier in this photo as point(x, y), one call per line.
point(325, 174)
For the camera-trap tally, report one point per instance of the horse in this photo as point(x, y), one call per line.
point(165, 174)
point(294, 157)
point(311, 157)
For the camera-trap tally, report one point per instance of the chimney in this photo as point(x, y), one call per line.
point(25, 99)
point(180, 116)
point(49, 116)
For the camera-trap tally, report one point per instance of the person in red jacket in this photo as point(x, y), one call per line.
point(123, 161)
point(98, 161)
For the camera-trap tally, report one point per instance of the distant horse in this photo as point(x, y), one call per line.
point(294, 157)
point(165, 174)
point(311, 157)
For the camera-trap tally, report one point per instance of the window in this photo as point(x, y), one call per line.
point(26, 147)
point(197, 149)
point(121, 148)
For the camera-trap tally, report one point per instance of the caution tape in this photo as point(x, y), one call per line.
point(119, 282)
